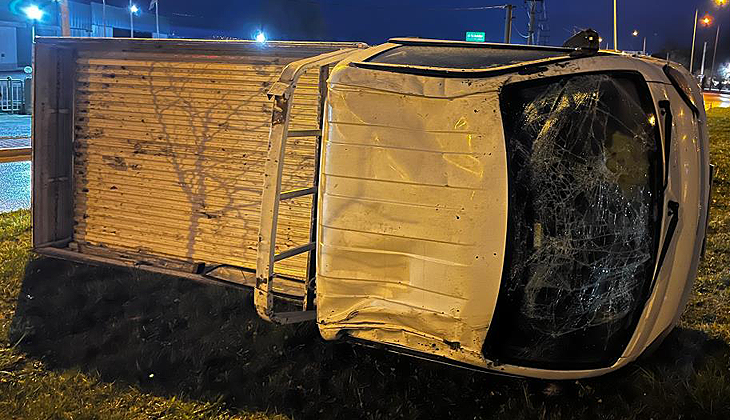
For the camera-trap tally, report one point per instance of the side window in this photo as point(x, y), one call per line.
point(582, 159)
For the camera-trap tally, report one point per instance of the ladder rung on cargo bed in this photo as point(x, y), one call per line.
point(281, 93)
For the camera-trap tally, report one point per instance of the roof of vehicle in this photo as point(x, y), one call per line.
point(486, 45)
point(463, 59)
point(460, 58)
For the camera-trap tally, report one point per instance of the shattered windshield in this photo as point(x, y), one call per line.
point(461, 57)
point(583, 200)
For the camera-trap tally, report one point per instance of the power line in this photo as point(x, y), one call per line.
point(503, 6)
point(401, 6)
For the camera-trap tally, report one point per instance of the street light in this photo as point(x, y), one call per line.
point(707, 21)
point(615, 24)
point(717, 37)
point(34, 13)
point(132, 10)
point(694, 38)
point(636, 34)
point(260, 37)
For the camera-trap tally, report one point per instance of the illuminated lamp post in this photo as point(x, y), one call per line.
point(34, 13)
point(133, 9)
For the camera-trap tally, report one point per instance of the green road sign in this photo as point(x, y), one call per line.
point(475, 36)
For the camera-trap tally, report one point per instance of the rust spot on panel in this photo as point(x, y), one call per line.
point(455, 345)
point(210, 215)
point(115, 162)
point(139, 149)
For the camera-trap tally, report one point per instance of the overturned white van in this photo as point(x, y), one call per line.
point(536, 211)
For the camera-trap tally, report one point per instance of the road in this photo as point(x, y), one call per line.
point(14, 186)
point(717, 100)
point(14, 176)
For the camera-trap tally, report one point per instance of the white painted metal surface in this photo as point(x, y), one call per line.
point(283, 93)
point(405, 252)
point(412, 215)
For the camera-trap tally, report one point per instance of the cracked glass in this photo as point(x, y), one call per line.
point(582, 219)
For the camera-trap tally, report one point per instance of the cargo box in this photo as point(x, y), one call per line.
point(150, 153)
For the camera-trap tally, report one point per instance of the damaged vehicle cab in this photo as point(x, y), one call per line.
point(535, 211)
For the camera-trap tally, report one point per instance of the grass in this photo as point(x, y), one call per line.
point(29, 389)
point(87, 342)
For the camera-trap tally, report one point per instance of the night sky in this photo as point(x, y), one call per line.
point(665, 23)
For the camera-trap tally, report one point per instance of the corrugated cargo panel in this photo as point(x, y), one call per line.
point(170, 151)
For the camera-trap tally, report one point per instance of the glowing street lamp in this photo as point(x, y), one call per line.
point(133, 9)
point(721, 3)
point(34, 13)
point(694, 38)
point(707, 21)
point(635, 34)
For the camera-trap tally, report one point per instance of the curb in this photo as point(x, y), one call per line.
point(16, 154)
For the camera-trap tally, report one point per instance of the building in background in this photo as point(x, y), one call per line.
point(86, 20)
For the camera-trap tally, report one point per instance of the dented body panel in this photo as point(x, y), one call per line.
point(401, 221)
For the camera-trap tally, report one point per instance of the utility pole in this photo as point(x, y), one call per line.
point(508, 24)
point(65, 26)
point(704, 53)
point(531, 25)
point(694, 37)
point(536, 28)
point(644, 50)
point(615, 32)
point(157, 18)
point(103, 15)
point(131, 20)
point(714, 54)
point(156, 5)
